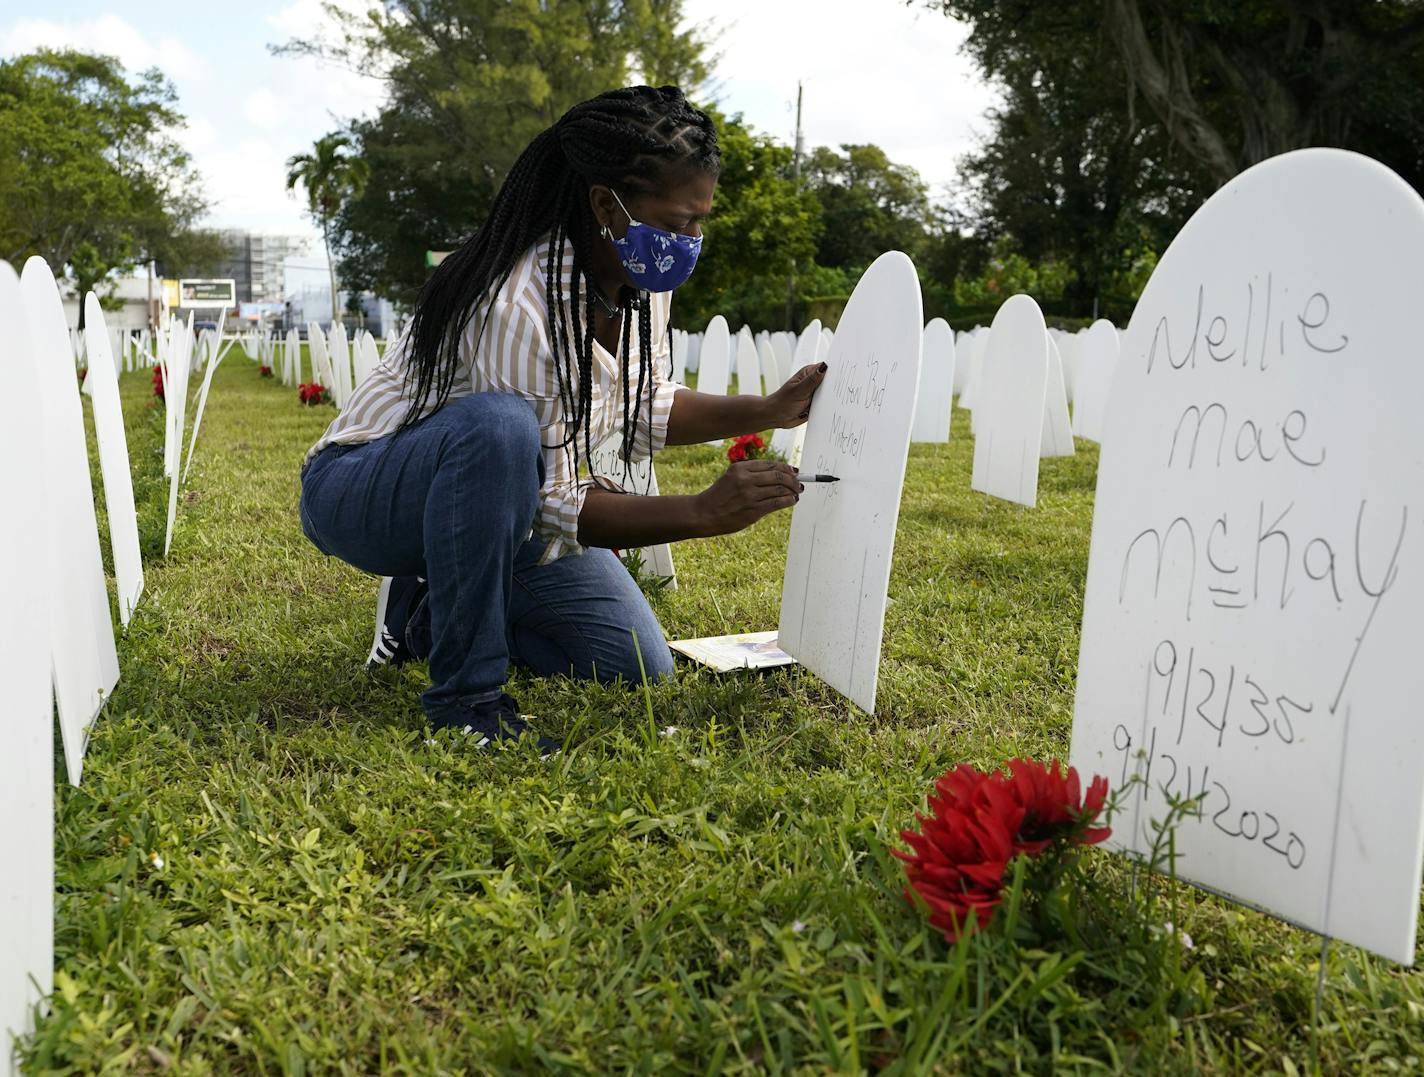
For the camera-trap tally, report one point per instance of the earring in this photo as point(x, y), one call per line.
point(606, 233)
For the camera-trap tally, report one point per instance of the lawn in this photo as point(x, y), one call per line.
point(267, 869)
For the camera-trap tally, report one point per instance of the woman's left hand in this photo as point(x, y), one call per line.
point(791, 404)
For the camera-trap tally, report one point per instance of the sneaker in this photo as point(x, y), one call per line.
point(498, 724)
point(398, 598)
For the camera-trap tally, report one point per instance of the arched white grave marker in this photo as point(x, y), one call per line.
point(27, 717)
point(843, 533)
point(1097, 362)
point(322, 371)
point(338, 351)
point(180, 358)
point(679, 356)
point(788, 443)
point(292, 359)
point(694, 351)
point(963, 345)
point(114, 462)
point(1057, 439)
point(976, 368)
point(783, 346)
point(748, 366)
point(203, 390)
point(86, 666)
point(1009, 410)
point(1255, 597)
point(370, 356)
point(936, 395)
point(1068, 353)
point(772, 375)
point(716, 358)
point(638, 478)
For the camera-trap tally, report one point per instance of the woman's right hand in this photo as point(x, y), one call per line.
point(747, 491)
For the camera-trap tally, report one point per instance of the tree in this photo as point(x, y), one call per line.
point(1070, 172)
point(331, 178)
point(1233, 83)
point(1237, 83)
point(761, 225)
point(93, 181)
point(869, 205)
point(471, 82)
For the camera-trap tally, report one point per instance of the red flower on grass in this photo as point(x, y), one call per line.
point(979, 822)
point(747, 447)
point(158, 381)
point(1053, 805)
point(264, 371)
point(312, 393)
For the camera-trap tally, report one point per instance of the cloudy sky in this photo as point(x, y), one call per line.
point(873, 70)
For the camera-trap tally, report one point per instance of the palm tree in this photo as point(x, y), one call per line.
point(330, 178)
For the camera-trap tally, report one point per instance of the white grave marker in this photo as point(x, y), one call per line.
point(1008, 411)
point(936, 395)
point(114, 462)
point(86, 666)
point(27, 718)
point(788, 443)
point(716, 358)
point(338, 352)
point(367, 358)
point(783, 346)
point(694, 350)
point(748, 368)
point(322, 372)
point(639, 478)
point(1057, 439)
point(292, 358)
point(679, 356)
point(843, 534)
point(1255, 595)
point(218, 355)
point(976, 355)
point(772, 375)
point(1098, 349)
point(180, 358)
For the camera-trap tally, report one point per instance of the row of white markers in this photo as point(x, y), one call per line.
point(1018, 391)
point(57, 638)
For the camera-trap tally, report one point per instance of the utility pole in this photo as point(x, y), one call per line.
point(796, 182)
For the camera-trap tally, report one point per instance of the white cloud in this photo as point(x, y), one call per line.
point(246, 184)
point(111, 35)
point(311, 89)
point(262, 109)
point(873, 70)
point(198, 135)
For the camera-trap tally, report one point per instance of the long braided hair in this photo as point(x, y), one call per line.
point(629, 139)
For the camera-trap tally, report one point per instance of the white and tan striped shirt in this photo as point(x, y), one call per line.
point(513, 355)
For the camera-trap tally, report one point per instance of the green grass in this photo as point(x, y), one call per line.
point(267, 870)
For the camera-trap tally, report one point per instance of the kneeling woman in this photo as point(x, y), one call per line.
point(454, 468)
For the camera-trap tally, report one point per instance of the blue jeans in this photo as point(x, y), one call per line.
point(452, 499)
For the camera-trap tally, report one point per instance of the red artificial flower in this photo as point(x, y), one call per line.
point(264, 371)
point(747, 447)
point(312, 393)
point(1053, 805)
point(979, 821)
point(959, 856)
point(158, 382)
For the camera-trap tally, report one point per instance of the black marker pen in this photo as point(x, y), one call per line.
point(819, 478)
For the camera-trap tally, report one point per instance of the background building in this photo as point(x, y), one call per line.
point(257, 263)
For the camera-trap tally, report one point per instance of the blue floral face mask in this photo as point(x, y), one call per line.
point(656, 259)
